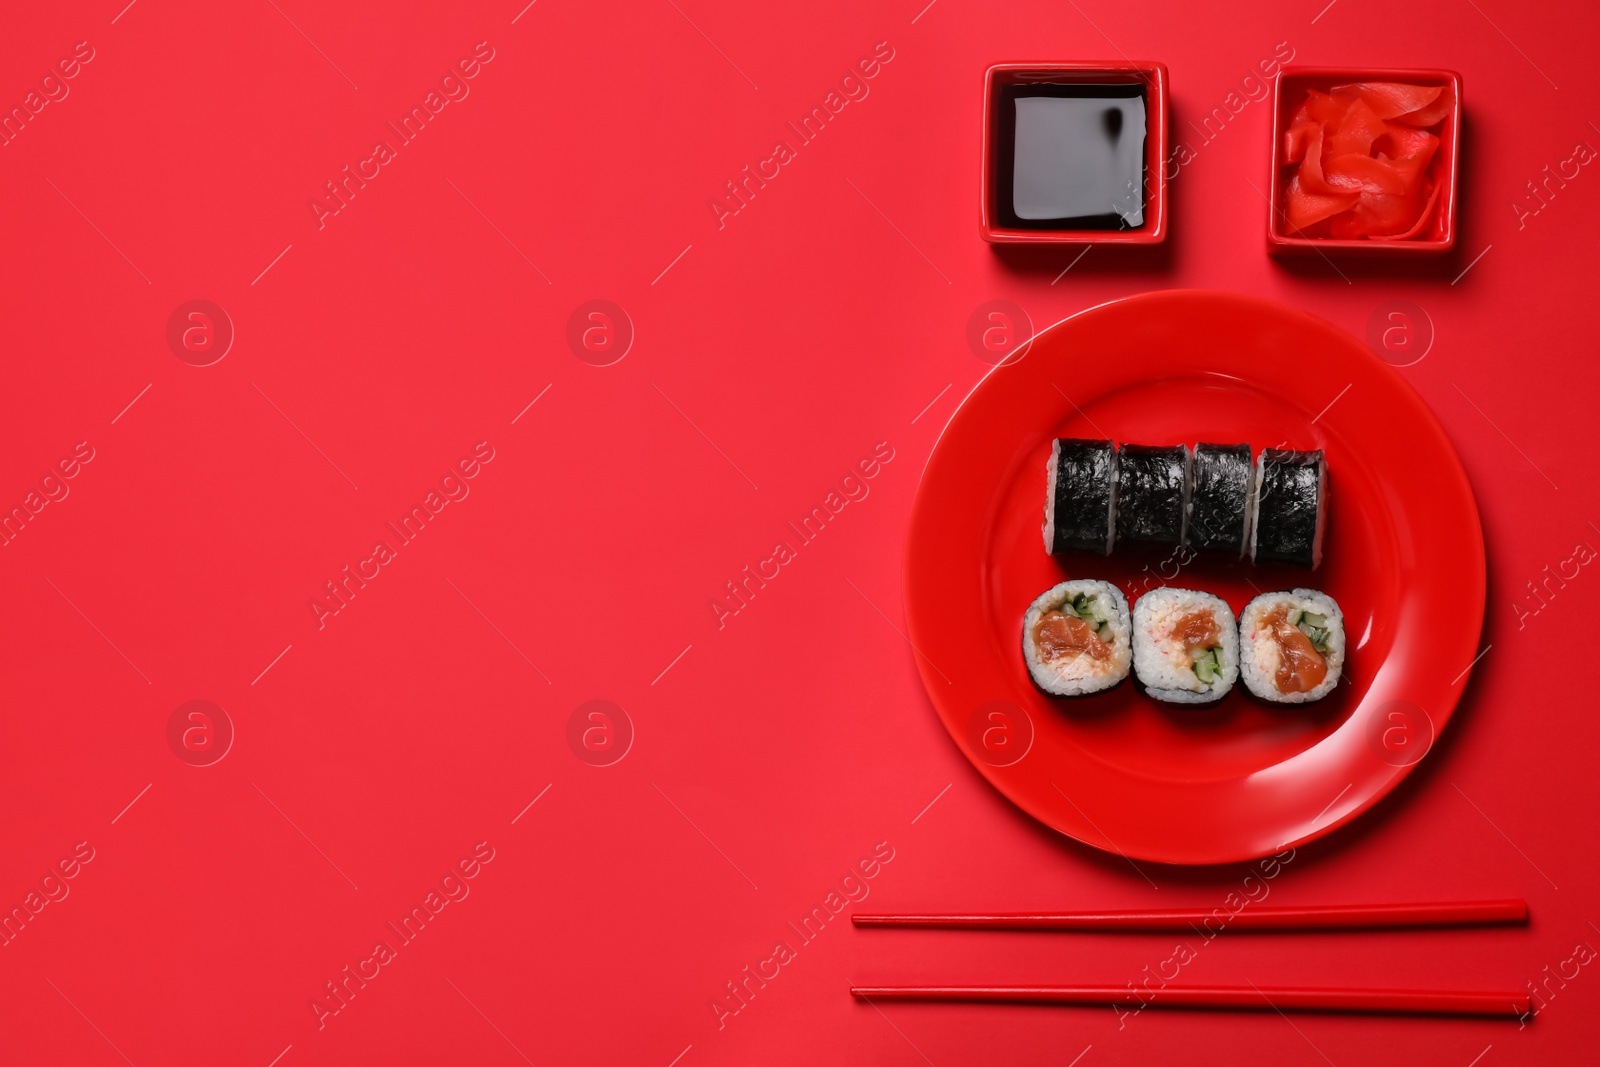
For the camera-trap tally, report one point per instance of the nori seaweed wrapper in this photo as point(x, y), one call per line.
point(1220, 504)
point(1085, 482)
point(1289, 507)
point(1152, 493)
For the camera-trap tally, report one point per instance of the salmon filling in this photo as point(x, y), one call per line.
point(1199, 635)
point(1057, 635)
point(1197, 630)
point(1301, 668)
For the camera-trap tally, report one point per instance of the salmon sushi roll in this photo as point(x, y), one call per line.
point(1185, 646)
point(1076, 638)
point(1291, 646)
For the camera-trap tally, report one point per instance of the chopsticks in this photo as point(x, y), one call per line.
point(1370, 1001)
point(1304, 917)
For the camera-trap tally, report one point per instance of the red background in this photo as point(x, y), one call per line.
point(780, 749)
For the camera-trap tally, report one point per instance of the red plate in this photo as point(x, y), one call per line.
point(1242, 779)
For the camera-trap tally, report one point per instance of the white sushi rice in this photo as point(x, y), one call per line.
point(1259, 655)
point(1160, 659)
point(1076, 674)
point(1050, 497)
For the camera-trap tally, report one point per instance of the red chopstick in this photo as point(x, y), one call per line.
point(1369, 1001)
point(1306, 917)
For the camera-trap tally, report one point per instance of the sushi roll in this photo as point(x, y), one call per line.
point(1291, 646)
point(1185, 646)
point(1076, 638)
point(1222, 499)
point(1080, 503)
point(1291, 507)
point(1153, 493)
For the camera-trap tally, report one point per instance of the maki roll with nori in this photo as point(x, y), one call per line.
point(1291, 646)
point(1220, 502)
point(1076, 638)
point(1080, 504)
point(1185, 646)
point(1290, 507)
point(1152, 493)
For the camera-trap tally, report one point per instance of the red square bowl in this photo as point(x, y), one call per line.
point(1438, 236)
point(1153, 76)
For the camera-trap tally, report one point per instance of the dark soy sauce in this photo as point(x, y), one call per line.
point(1071, 157)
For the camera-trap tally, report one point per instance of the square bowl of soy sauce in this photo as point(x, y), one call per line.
point(1073, 153)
